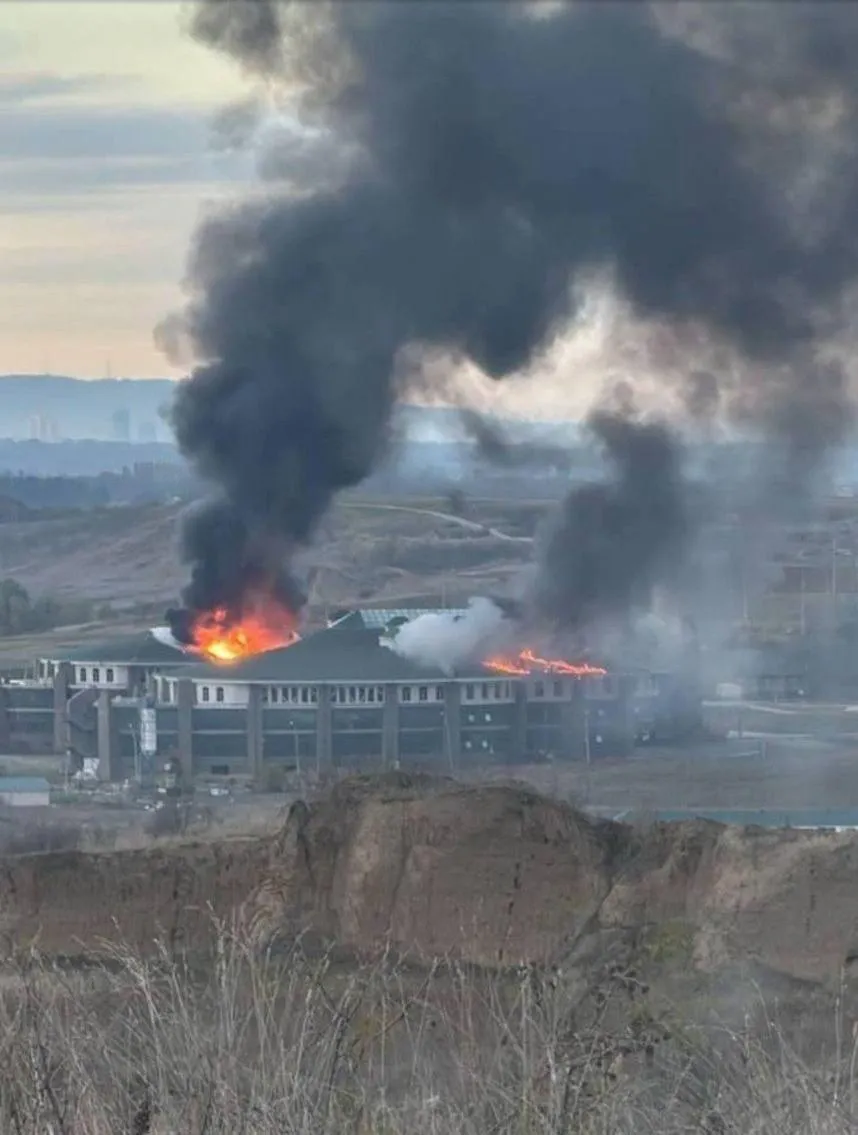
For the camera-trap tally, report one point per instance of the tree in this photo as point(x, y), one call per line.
point(15, 607)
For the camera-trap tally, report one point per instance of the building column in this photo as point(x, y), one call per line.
point(324, 739)
point(626, 739)
point(453, 724)
point(519, 749)
point(185, 708)
point(5, 730)
point(105, 737)
point(254, 733)
point(575, 722)
point(390, 728)
point(62, 681)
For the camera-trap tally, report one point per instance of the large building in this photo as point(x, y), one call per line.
point(341, 697)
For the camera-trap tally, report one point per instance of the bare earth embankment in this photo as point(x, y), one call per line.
point(491, 874)
point(671, 983)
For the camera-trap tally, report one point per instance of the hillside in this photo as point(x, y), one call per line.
point(410, 552)
point(493, 875)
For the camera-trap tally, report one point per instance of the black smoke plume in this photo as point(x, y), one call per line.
point(614, 540)
point(493, 152)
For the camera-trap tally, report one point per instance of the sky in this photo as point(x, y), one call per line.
point(106, 163)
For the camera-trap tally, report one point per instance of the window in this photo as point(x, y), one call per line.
point(352, 695)
point(558, 689)
point(406, 693)
point(96, 674)
point(370, 694)
point(305, 695)
point(218, 693)
point(485, 691)
point(538, 690)
point(205, 692)
point(423, 693)
point(379, 694)
point(439, 693)
point(470, 691)
point(108, 674)
point(362, 695)
point(81, 674)
point(314, 695)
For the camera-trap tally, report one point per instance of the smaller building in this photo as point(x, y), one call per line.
point(25, 791)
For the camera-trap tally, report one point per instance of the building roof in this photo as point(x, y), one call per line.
point(379, 618)
point(342, 653)
point(142, 649)
point(24, 784)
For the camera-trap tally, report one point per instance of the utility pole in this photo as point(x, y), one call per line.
point(587, 736)
point(834, 552)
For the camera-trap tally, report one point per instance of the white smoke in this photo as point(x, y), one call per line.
point(447, 640)
point(164, 635)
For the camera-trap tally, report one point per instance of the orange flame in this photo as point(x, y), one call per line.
point(526, 661)
point(263, 625)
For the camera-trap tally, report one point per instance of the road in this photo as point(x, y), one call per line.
point(471, 525)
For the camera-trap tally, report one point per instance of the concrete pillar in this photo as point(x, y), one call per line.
point(390, 728)
point(105, 737)
point(185, 704)
point(575, 723)
point(519, 746)
point(62, 681)
point(254, 733)
point(453, 724)
point(626, 732)
point(5, 730)
point(324, 740)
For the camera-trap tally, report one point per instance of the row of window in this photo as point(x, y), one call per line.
point(473, 692)
point(109, 674)
point(487, 691)
point(357, 695)
point(421, 693)
point(290, 695)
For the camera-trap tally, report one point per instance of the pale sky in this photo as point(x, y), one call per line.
point(107, 112)
point(106, 162)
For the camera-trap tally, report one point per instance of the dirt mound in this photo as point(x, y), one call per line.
point(499, 874)
point(71, 903)
point(435, 866)
point(493, 874)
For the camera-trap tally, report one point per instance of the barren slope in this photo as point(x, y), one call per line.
point(364, 550)
point(492, 874)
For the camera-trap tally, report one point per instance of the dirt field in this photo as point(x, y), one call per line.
point(402, 553)
point(792, 774)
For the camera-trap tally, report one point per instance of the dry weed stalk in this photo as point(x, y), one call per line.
point(244, 1043)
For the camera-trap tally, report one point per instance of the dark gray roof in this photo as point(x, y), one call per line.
point(134, 650)
point(339, 654)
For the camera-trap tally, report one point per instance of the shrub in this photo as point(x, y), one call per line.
point(249, 1042)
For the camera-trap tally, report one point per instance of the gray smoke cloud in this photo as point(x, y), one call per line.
point(496, 152)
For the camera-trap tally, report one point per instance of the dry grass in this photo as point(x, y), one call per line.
point(299, 1045)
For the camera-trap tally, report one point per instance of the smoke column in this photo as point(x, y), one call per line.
point(471, 161)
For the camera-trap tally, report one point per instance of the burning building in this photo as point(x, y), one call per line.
point(340, 697)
